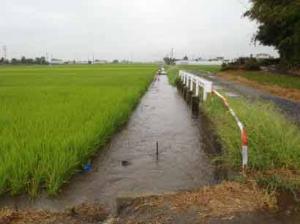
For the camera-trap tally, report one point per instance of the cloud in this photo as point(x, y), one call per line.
point(132, 29)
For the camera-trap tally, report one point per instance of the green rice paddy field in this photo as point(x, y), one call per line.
point(52, 119)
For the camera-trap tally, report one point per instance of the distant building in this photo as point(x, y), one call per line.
point(70, 62)
point(100, 62)
point(55, 61)
point(82, 62)
point(182, 62)
point(263, 56)
point(215, 61)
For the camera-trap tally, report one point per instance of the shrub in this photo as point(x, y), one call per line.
point(251, 64)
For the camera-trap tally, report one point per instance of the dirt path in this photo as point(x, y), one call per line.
point(230, 202)
point(291, 94)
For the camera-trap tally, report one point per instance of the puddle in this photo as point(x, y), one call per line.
point(130, 163)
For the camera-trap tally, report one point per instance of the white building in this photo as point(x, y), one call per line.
point(263, 56)
point(55, 61)
point(82, 62)
point(211, 62)
point(100, 62)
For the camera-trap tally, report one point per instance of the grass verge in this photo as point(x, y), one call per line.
point(52, 119)
point(173, 70)
point(201, 68)
point(267, 78)
point(280, 85)
point(274, 141)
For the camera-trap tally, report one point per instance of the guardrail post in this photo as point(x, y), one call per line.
point(207, 89)
point(187, 81)
point(204, 95)
point(197, 88)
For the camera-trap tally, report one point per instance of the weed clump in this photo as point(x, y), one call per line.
point(274, 142)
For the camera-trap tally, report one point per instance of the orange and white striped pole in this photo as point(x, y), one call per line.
point(244, 136)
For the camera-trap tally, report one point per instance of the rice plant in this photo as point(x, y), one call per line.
point(52, 119)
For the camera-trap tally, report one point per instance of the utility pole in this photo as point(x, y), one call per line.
point(172, 53)
point(4, 49)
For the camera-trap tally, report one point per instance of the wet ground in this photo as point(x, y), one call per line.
point(129, 164)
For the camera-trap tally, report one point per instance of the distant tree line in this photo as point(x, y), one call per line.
point(279, 26)
point(24, 61)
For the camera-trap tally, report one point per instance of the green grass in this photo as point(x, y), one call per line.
point(274, 142)
point(201, 68)
point(267, 78)
point(172, 72)
point(52, 119)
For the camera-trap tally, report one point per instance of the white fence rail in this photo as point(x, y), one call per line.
point(192, 81)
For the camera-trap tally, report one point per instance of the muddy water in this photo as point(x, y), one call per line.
point(129, 164)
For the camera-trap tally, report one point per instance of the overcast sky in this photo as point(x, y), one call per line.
point(127, 29)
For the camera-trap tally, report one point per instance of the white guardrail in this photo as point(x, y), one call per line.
point(190, 79)
point(194, 82)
